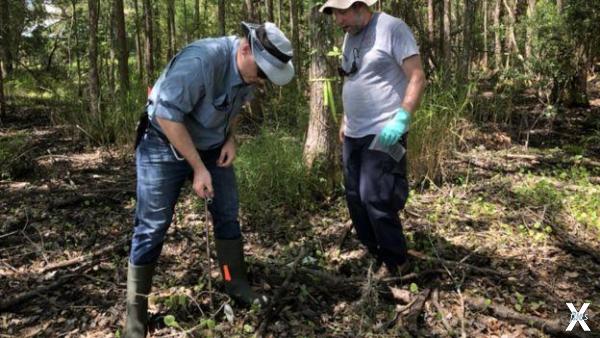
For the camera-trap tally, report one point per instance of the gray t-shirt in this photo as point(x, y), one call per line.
point(374, 93)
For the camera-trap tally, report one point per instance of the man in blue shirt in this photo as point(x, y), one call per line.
point(192, 111)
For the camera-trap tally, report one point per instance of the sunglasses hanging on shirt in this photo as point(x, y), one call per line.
point(355, 55)
point(353, 69)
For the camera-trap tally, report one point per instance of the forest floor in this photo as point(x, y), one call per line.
point(498, 250)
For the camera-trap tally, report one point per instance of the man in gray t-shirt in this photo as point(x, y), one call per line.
point(383, 84)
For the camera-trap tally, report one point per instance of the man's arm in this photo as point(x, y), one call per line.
point(342, 131)
point(394, 129)
point(180, 138)
point(413, 69)
point(228, 151)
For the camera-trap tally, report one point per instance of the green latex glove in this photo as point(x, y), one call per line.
point(394, 129)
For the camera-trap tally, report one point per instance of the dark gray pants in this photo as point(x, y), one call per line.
point(376, 189)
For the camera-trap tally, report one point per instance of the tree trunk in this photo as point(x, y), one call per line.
point(205, 15)
point(279, 12)
point(430, 23)
point(512, 22)
point(196, 19)
point(77, 57)
point(186, 35)
point(484, 61)
point(6, 37)
point(319, 149)
point(439, 9)
point(149, 42)
point(529, 37)
point(157, 32)
point(256, 110)
point(497, 40)
point(93, 82)
point(447, 23)
point(138, 44)
point(269, 7)
point(110, 42)
point(2, 99)
point(221, 9)
point(576, 89)
point(395, 8)
point(456, 24)
point(122, 50)
point(433, 13)
point(170, 29)
point(295, 37)
point(251, 11)
point(51, 55)
point(468, 18)
point(559, 6)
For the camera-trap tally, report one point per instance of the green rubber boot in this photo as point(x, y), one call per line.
point(139, 282)
point(233, 269)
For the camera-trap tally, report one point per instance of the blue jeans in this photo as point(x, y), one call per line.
point(160, 176)
point(376, 189)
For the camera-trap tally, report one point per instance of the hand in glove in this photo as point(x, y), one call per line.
point(394, 129)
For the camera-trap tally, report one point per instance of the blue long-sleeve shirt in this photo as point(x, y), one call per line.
point(201, 87)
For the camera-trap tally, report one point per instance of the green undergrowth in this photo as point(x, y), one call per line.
point(527, 205)
point(15, 156)
point(272, 178)
point(435, 130)
point(569, 191)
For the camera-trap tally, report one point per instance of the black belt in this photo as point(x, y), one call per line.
point(144, 125)
point(157, 132)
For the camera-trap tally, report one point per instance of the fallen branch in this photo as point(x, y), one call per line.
point(483, 165)
point(347, 229)
point(463, 333)
point(410, 321)
point(554, 159)
point(83, 258)
point(572, 244)
point(77, 200)
point(331, 280)
point(24, 296)
point(551, 327)
point(483, 271)
point(274, 306)
point(345, 282)
point(522, 157)
point(440, 310)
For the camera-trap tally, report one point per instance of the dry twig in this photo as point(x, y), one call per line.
point(438, 307)
point(273, 306)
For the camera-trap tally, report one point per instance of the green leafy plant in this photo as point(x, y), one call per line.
point(272, 176)
point(170, 321)
point(436, 127)
point(414, 288)
point(520, 300)
point(15, 156)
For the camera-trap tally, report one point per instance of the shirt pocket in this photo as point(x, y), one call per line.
point(216, 115)
point(221, 103)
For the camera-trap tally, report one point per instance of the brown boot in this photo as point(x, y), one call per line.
point(233, 269)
